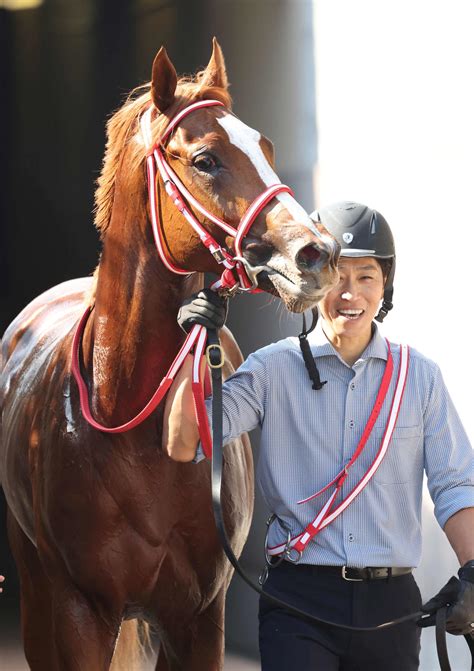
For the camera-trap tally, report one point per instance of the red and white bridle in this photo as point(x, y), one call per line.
point(245, 281)
point(183, 199)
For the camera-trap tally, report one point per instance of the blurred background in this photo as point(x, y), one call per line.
point(365, 100)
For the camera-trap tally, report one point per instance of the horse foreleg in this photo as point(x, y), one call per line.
point(35, 595)
point(84, 633)
point(197, 645)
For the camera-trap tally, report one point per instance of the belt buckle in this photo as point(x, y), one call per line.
point(344, 575)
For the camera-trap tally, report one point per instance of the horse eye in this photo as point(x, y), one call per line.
point(205, 163)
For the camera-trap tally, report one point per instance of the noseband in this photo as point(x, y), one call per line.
point(156, 164)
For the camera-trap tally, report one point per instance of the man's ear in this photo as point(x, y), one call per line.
point(163, 81)
point(215, 74)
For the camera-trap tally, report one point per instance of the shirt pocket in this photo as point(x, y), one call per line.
point(403, 459)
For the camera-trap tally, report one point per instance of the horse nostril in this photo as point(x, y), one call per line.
point(257, 253)
point(310, 257)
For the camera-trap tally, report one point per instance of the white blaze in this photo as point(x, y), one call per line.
point(248, 141)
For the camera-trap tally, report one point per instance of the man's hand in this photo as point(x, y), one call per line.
point(458, 595)
point(206, 308)
point(446, 596)
point(460, 615)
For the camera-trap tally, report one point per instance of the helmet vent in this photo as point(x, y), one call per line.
point(373, 224)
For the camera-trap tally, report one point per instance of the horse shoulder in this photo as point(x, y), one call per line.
point(45, 311)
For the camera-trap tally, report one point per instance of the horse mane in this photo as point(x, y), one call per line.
point(123, 125)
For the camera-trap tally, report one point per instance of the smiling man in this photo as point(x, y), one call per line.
point(348, 311)
point(341, 465)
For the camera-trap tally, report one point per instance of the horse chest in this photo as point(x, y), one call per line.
point(128, 491)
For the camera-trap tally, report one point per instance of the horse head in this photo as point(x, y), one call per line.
point(226, 165)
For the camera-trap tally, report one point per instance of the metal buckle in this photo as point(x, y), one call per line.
point(218, 254)
point(229, 292)
point(208, 357)
point(251, 272)
point(270, 562)
point(290, 557)
point(262, 578)
point(344, 575)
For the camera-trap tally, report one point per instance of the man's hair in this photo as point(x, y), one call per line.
point(386, 266)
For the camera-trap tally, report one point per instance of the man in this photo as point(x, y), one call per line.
point(341, 465)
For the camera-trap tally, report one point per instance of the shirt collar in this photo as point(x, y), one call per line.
point(320, 345)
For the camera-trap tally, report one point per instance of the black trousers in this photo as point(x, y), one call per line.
point(288, 642)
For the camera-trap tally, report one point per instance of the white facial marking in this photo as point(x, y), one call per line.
point(248, 141)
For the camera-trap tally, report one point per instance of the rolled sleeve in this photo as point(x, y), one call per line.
point(449, 459)
point(243, 401)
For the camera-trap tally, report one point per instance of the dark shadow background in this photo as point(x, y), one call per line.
point(65, 66)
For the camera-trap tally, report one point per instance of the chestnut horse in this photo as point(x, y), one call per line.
point(106, 528)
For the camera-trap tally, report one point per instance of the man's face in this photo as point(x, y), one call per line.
point(350, 307)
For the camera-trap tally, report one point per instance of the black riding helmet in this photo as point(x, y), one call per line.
point(362, 232)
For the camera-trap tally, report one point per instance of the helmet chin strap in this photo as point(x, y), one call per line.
point(387, 305)
point(308, 358)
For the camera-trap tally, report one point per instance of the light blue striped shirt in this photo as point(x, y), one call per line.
point(308, 436)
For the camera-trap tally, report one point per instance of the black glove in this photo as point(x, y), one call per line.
point(206, 308)
point(446, 596)
point(460, 615)
point(458, 595)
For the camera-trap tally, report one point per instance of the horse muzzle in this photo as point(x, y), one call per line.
point(297, 265)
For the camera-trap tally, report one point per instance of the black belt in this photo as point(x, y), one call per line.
point(360, 574)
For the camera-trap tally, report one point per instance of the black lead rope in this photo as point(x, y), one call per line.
point(215, 360)
point(308, 358)
point(441, 645)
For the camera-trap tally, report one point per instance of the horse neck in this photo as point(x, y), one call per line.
point(134, 335)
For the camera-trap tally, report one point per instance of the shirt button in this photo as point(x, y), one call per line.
point(351, 537)
point(351, 423)
point(353, 386)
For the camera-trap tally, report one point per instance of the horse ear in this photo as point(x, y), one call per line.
point(215, 74)
point(163, 81)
